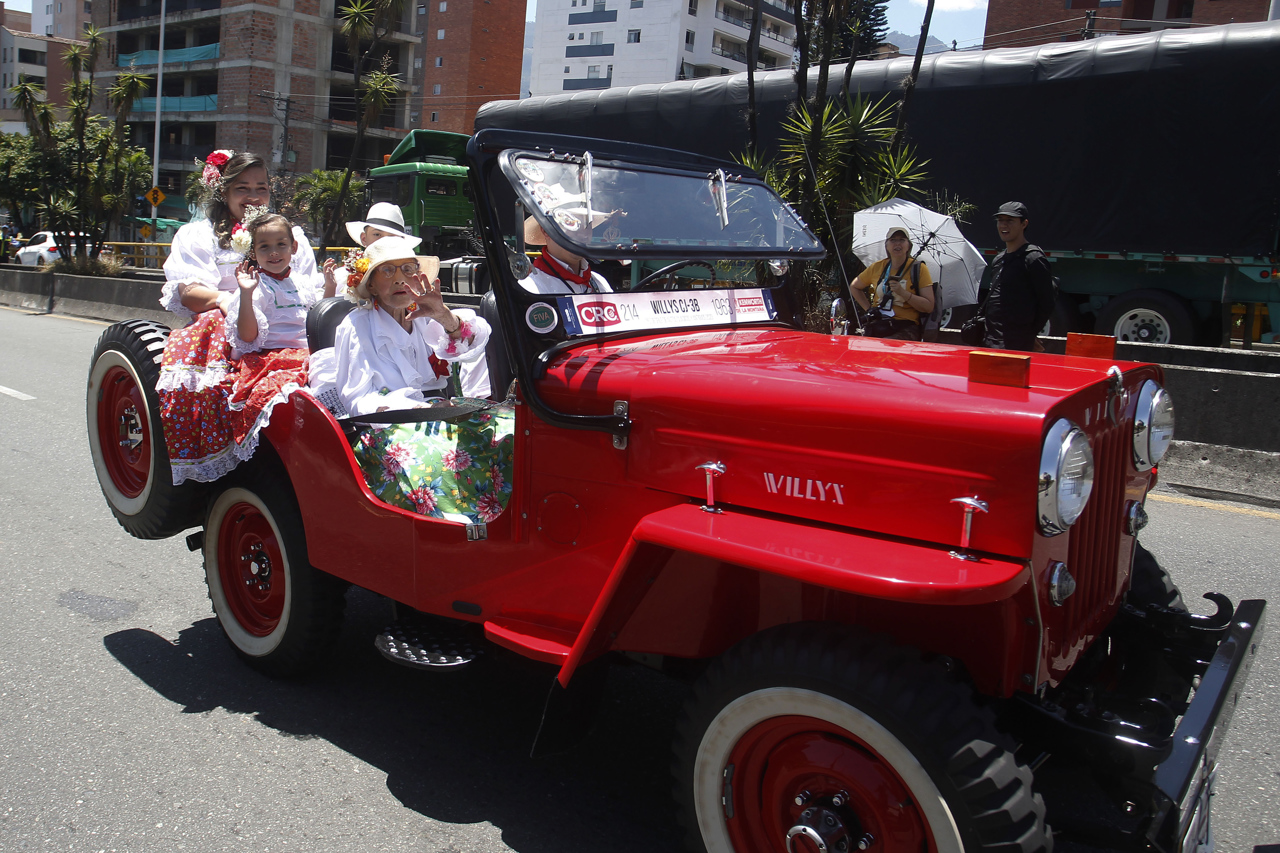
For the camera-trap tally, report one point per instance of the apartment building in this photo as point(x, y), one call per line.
point(1018, 23)
point(600, 44)
point(63, 18)
point(271, 76)
point(472, 52)
point(29, 57)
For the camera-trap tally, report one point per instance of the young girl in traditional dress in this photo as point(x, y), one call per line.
point(195, 375)
point(267, 328)
point(392, 352)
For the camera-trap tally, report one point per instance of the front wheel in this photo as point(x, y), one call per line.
point(808, 738)
point(280, 615)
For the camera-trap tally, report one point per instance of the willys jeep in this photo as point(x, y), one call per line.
point(902, 575)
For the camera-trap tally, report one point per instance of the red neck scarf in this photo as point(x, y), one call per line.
point(288, 271)
point(553, 267)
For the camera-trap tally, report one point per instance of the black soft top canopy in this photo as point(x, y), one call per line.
point(1164, 142)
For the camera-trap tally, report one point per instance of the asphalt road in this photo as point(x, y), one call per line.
point(126, 723)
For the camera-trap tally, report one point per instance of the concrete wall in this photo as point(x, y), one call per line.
point(81, 296)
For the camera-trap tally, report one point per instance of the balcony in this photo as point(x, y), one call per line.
point(200, 53)
point(778, 9)
point(188, 104)
point(134, 11)
point(588, 83)
point(588, 50)
point(738, 53)
point(746, 25)
point(600, 17)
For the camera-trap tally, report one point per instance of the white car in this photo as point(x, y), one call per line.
point(40, 249)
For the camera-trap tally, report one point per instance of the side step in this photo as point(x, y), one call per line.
point(432, 647)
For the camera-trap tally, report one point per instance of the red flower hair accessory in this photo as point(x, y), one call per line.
point(211, 174)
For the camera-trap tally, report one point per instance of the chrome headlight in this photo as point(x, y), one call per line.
point(1152, 426)
point(1066, 477)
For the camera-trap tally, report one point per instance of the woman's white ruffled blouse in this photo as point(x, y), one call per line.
point(195, 258)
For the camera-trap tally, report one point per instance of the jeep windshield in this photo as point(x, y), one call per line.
point(681, 247)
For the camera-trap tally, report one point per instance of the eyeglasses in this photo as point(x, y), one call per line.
point(389, 270)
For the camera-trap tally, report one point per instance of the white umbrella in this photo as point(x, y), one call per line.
point(935, 239)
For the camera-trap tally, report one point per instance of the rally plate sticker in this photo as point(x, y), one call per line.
point(594, 313)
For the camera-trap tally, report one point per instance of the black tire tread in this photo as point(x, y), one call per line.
point(169, 509)
point(928, 708)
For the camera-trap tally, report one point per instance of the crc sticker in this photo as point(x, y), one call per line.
point(596, 315)
point(541, 317)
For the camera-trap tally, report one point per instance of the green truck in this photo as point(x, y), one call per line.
point(426, 176)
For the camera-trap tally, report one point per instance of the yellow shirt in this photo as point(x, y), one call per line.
point(878, 286)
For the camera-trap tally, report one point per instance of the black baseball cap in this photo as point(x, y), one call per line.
point(1013, 208)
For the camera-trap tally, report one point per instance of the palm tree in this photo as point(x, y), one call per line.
point(319, 194)
point(365, 21)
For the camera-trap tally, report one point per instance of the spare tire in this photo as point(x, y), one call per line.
point(125, 436)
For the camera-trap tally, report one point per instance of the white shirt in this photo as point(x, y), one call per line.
point(540, 282)
point(280, 307)
point(379, 364)
point(196, 258)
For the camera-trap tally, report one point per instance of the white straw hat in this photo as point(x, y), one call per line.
point(384, 216)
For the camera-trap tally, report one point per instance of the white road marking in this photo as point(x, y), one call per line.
point(15, 394)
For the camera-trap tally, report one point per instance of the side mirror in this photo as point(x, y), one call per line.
point(839, 317)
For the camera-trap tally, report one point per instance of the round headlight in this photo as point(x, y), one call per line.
point(1152, 426)
point(1066, 477)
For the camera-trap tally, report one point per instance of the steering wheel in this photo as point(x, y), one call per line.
point(669, 271)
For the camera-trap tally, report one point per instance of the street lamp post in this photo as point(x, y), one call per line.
point(155, 147)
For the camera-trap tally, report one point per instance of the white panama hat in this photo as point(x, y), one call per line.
point(384, 216)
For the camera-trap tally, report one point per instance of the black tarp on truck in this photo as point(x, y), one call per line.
point(1159, 152)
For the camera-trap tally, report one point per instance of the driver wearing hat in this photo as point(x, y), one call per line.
point(557, 269)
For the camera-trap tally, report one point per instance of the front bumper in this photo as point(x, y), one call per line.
point(1183, 781)
point(1158, 777)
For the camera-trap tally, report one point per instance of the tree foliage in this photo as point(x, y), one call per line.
point(78, 174)
point(366, 25)
point(317, 197)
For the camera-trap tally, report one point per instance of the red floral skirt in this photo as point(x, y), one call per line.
point(263, 380)
point(196, 380)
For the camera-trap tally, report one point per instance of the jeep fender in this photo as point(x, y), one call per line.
point(903, 577)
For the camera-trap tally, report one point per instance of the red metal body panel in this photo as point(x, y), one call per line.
point(842, 456)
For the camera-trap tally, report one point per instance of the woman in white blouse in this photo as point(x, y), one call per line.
point(196, 371)
point(393, 352)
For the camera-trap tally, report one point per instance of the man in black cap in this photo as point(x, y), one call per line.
point(1022, 292)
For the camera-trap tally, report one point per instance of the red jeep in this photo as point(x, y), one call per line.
point(902, 574)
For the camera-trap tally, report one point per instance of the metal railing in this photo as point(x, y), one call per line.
point(142, 255)
point(740, 57)
point(746, 25)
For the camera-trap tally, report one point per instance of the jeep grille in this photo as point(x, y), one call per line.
point(1094, 554)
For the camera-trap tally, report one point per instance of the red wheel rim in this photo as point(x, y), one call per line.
point(791, 771)
point(124, 434)
point(251, 568)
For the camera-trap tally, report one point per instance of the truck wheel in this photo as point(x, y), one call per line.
point(808, 738)
point(1065, 318)
point(280, 615)
point(1148, 317)
point(125, 437)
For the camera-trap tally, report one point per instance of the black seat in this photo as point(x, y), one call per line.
point(323, 320)
point(495, 352)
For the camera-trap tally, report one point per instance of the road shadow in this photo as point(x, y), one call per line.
point(454, 746)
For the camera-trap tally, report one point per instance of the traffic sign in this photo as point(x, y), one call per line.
point(154, 196)
point(146, 231)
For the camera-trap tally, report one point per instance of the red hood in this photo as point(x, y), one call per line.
point(871, 434)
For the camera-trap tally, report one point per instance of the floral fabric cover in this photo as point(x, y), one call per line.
point(455, 471)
